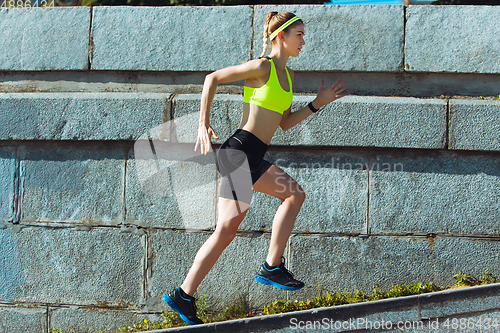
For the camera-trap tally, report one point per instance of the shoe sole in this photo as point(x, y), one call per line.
point(264, 280)
point(176, 308)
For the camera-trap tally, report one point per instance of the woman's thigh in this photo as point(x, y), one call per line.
point(278, 183)
point(230, 215)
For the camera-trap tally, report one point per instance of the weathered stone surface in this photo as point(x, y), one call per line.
point(8, 180)
point(447, 303)
point(11, 270)
point(232, 275)
point(22, 320)
point(225, 116)
point(44, 39)
point(436, 193)
point(343, 38)
point(452, 39)
point(474, 125)
point(472, 322)
point(94, 320)
point(174, 188)
point(370, 121)
point(99, 266)
point(351, 121)
point(66, 185)
point(80, 116)
point(170, 38)
point(345, 264)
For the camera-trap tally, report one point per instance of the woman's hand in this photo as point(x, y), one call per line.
point(205, 133)
point(331, 94)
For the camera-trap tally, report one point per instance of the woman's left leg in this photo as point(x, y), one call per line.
point(279, 184)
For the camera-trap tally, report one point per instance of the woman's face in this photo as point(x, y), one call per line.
point(294, 39)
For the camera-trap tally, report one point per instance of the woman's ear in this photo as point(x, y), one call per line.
point(281, 36)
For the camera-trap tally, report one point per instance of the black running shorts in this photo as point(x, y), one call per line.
point(240, 162)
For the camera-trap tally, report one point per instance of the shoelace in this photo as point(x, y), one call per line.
point(192, 301)
point(283, 269)
point(193, 305)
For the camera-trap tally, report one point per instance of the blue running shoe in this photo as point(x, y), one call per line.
point(278, 277)
point(185, 307)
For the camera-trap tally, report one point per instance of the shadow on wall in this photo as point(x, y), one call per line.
point(12, 273)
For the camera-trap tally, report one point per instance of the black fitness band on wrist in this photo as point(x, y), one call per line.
point(311, 107)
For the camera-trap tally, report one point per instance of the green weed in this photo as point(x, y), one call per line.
point(333, 299)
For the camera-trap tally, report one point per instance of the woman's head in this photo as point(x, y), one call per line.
point(274, 21)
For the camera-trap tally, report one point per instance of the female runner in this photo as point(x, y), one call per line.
point(267, 105)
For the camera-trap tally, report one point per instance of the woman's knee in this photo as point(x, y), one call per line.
point(226, 238)
point(224, 235)
point(299, 195)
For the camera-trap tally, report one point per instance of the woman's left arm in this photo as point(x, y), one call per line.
point(324, 97)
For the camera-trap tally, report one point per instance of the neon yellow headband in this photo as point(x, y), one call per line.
point(283, 27)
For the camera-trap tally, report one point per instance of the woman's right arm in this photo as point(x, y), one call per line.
point(251, 69)
point(205, 131)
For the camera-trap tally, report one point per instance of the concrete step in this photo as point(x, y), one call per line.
point(459, 310)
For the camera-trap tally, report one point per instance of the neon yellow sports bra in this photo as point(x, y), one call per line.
point(270, 96)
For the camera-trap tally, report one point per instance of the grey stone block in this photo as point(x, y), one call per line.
point(11, 271)
point(59, 116)
point(448, 255)
point(343, 38)
point(370, 121)
point(225, 116)
point(83, 320)
point(474, 125)
point(351, 121)
point(175, 189)
point(336, 188)
point(45, 39)
point(232, 275)
point(163, 38)
point(72, 185)
point(8, 179)
point(436, 193)
point(76, 267)
point(22, 320)
point(344, 264)
point(452, 39)
point(448, 303)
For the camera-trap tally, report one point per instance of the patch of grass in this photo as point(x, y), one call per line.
point(463, 280)
point(494, 98)
point(466, 279)
point(333, 299)
point(242, 307)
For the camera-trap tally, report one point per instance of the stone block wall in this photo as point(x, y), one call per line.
point(402, 176)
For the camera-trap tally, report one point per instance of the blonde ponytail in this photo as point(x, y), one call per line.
point(266, 32)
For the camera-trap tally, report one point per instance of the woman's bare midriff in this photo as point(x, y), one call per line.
point(259, 121)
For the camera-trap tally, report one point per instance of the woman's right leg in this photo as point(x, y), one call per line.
point(230, 215)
